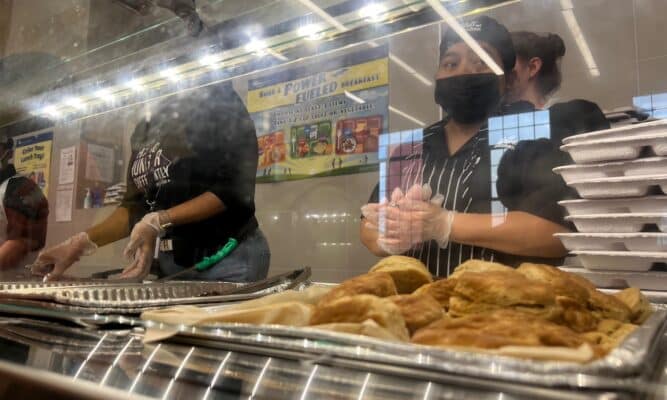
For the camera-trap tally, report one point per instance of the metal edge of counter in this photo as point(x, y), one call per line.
point(40, 382)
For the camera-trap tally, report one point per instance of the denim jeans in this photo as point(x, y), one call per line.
point(248, 262)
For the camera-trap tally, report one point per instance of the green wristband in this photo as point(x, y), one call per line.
point(207, 262)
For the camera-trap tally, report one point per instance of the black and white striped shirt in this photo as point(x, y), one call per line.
point(467, 180)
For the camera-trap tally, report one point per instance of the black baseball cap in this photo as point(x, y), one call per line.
point(485, 29)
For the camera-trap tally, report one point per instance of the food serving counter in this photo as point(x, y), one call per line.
point(66, 350)
point(116, 358)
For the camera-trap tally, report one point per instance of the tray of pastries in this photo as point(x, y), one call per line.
point(534, 323)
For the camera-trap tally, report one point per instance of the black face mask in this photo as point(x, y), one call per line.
point(468, 98)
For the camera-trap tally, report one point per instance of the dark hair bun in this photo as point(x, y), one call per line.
point(556, 44)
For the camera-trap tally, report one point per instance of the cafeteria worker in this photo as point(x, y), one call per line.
point(442, 211)
point(190, 182)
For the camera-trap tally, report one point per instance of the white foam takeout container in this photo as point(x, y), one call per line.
point(618, 223)
point(636, 261)
point(643, 241)
point(649, 204)
point(625, 186)
point(640, 167)
point(616, 149)
point(652, 280)
point(620, 132)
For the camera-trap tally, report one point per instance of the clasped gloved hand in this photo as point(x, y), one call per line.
point(410, 219)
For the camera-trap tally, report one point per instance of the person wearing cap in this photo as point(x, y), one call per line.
point(23, 217)
point(441, 211)
point(190, 183)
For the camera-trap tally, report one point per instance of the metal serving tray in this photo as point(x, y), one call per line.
point(137, 297)
point(630, 359)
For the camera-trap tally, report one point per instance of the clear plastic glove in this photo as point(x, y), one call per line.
point(399, 243)
point(52, 262)
point(141, 247)
point(416, 220)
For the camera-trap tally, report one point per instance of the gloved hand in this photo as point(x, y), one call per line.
point(416, 219)
point(141, 247)
point(62, 256)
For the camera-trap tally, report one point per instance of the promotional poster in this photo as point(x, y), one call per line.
point(32, 158)
point(321, 120)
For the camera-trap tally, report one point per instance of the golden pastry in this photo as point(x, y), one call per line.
point(408, 273)
point(376, 283)
point(640, 307)
point(477, 292)
point(418, 310)
point(360, 308)
point(441, 290)
point(479, 266)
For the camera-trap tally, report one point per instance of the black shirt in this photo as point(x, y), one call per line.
point(201, 141)
point(525, 182)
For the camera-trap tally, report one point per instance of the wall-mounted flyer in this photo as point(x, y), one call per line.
point(323, 119)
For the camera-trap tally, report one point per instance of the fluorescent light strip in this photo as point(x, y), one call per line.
point(324, 15)
point(421, 78)
point(465, 36)
point(406, 115)
point(571, 21)
point(277, 54)
point(493, 7)
point(354, 98)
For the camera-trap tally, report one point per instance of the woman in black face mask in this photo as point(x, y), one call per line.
point(442, 213)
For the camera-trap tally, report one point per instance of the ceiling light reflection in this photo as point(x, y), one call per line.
point(310, 32)
point(136, 85)
point(373, 12)
point(171, 74)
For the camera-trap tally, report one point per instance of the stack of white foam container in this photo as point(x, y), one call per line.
point(621, 218)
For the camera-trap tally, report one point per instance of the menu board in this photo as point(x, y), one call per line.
point(322, 119)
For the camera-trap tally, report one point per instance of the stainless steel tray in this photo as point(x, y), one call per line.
point(137, 297)
point(618, 368)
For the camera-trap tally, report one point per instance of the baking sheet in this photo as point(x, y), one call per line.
point(635, 261)
point(616, 149)
point(643, 241)
point(620, 132)
point(628, 359)
point(137, 297)
point(648, 204)
point(642, 166)
point(618, 223)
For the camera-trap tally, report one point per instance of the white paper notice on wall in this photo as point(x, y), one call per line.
point(99, 163)
point(67, 165)
point(64, 200)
